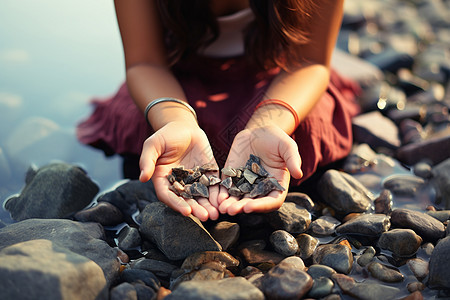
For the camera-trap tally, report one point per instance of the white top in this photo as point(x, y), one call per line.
point(230, 41)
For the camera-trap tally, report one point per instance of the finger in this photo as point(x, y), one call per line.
point(198, 210)
point(271, 202)
point(168, 197)
point(213, 213)
point(223, 194)
point(152, 150)
point(289, 152)
point(237, 207)
point(214, 195)
point(223, 207)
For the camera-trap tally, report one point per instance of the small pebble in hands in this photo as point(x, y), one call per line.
point(251, 180)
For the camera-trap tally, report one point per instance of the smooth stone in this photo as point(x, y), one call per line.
point(366, 257)
point(366, 291)
point(211, 270)
point(127, 195)
point(224, 289)
point(416, 295)
point(424, 225)
point(316, 271)
point(104, 213)
point(441, 182)
point(324, 225)
point(144, 292)
point(175, 235)
point(140, 276)
point(336, 256)
point(53, 191)
point(422, 169)
point(199, 258)
point(290, 217)
point(366, 224)
point(159, 268)
point(384, 273)
point(441, 215)
point(255, 256)
point(435, 149)
point(306, 245)
point(376, 130)
point(415, 286)
point(344, 193)
point(322, 287)
point(301, 199)
point(42, 269)
point(225, 233)
point(403, 185)
point(439, 265)
point(287, 280)
point(383, 203)
point(418, 267)
point(123, 291)
point(401, 242)
point(283, 242)
point(360, 159)
point(129, 238)
point(86, 239)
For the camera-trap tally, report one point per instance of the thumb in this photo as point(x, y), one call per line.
point(288, 150)
point(151, 151)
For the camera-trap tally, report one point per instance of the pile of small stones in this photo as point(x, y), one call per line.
point(249, 181)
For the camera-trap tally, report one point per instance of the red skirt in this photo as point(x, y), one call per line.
point(224, 93)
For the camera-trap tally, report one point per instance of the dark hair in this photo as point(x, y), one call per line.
point(272, 40)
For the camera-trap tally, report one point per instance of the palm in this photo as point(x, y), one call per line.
point(174, 146)
point(277, 153)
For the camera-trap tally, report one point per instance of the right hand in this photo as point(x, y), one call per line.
point(173, 145)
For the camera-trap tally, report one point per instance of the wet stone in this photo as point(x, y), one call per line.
point(384, 273)
point(324, 225)
point(123, 291)
point(415, 286)
point(300, 199)
point(255, 255)
point(383, 203)
point(225, 233)
point(366, 224)
point(283, 242)
point(439, 265)
point(287, 280)
point(322, 287)
point(344, 193)
point(290, 217)
point(336, 256)
point(159, 268)
point(306, 245)
point(418, 267)
point(129, 238)
point(403, 185)
point(317, 271)
point(401, 242)
point(199, 258)
point(140, 275)
point(367, 256)
point(104, 213)
point(427, 227)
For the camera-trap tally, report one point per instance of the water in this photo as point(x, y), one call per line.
point(55, 56)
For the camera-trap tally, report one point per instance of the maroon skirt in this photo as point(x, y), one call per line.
point(224, 93)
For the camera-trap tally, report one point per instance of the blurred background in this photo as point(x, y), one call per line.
point(55, 56)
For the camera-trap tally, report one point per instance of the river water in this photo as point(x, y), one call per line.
point(55, 56)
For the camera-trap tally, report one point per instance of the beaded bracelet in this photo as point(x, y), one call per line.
point(282, 103)
point(167, 99)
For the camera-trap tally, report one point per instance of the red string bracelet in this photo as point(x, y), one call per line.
point(282, 103)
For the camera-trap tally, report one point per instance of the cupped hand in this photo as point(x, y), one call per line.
point(279, 156)
point(178, 144)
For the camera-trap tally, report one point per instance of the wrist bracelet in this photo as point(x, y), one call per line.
point(282, 103)
point(167, 99)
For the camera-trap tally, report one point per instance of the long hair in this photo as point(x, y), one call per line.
point(271, 40)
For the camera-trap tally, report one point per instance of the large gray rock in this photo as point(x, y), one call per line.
point(82, 238)
point(440, 265)
point(344, 193)
point(53, 191)
point(237, 288)
point(175, 235)
point(366, 224)
point(441, 182)
point(41, 269)
point(336, 256)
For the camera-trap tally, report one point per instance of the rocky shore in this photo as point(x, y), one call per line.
point(373, 226)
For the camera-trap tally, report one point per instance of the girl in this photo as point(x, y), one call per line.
point(213, 81)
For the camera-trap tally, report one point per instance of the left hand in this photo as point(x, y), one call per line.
point(279, 156)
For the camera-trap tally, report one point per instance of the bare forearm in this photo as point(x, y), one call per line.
point(149, 82)
point(300, 89)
